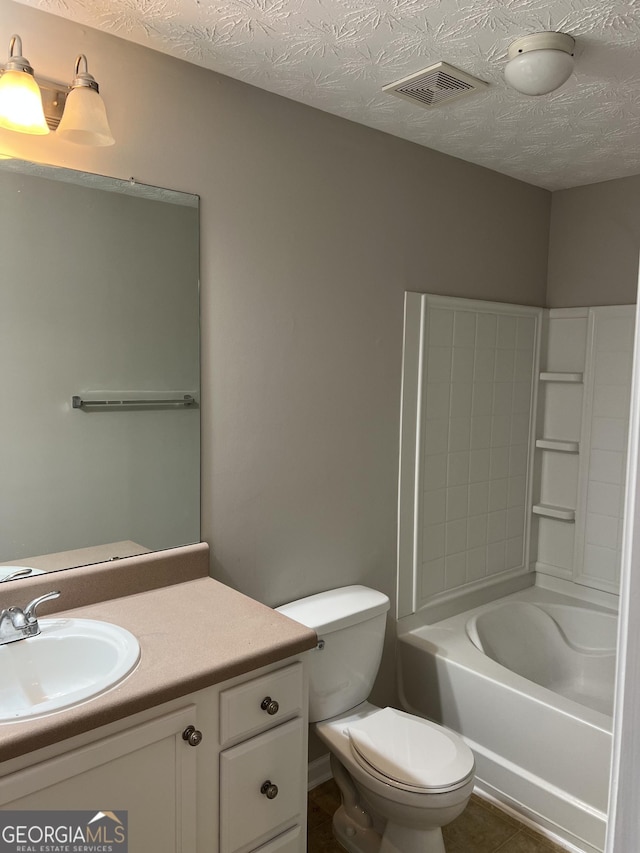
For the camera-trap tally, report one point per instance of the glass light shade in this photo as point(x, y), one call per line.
point(21, 103)
point(84, 120)
point(538, 72)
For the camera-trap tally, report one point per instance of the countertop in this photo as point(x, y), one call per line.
point(192, 635)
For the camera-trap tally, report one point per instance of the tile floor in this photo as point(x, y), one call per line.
point(481, 828)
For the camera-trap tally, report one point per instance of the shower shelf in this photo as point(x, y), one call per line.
point(556, 444)
point(561, 377)
point(560, 513)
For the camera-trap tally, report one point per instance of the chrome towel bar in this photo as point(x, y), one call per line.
point(188, 401)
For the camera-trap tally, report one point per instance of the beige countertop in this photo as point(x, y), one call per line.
point(192, 635)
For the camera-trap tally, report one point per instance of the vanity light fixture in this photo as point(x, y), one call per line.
point(20, 98)
point(35, 106)
point(540, 63)
point(85, 118)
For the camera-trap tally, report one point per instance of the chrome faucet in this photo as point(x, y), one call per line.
point(17, 624)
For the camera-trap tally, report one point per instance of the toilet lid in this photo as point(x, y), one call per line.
point(412, 751)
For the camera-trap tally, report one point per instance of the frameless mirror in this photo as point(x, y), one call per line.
point(99, 366)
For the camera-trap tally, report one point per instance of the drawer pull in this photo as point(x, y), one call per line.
point(269, 790)
point(192, 736)
point(270, 705)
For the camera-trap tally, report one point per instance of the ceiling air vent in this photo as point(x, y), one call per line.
point(436, 85)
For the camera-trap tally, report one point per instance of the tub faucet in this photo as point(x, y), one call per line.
point(18, 624)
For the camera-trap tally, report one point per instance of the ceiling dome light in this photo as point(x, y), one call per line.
point(540, 63)
point(20, 98)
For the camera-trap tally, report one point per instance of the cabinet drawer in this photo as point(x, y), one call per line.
point(241, 714)
point(288, 842)
point(247, 816)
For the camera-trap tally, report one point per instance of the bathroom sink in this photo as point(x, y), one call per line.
point(9, 572)
point(70, 661)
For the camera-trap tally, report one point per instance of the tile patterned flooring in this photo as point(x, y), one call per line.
point(481, 828)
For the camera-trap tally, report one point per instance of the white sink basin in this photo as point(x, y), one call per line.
point(70, 661)
point(23, 571)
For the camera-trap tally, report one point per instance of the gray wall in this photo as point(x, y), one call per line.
point(594, 244)
point(311, 228)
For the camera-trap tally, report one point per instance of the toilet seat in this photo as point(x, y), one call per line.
point(410, 753)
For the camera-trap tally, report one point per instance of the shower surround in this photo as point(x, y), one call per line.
point(513, 456)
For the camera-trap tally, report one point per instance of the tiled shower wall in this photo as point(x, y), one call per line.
point(599, 552)
point(593, 413)
point(479, 364)
point(513, 447)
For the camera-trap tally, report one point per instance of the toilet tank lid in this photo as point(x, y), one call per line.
point(336, 608)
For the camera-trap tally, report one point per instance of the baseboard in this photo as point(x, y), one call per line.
point(319, 771)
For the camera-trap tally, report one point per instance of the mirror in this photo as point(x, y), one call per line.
point(99, 359)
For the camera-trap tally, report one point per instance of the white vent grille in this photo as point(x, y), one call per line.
point(436, 85)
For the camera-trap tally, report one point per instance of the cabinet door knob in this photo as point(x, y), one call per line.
point(192, 736)
point(269, 790)
point(270, 705)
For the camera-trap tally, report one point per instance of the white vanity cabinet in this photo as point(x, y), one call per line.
point(146, 770)
point(265, 719)
point(242, 788)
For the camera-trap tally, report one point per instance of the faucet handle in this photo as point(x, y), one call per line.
point(30, 609)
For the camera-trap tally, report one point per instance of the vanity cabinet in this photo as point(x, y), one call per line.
point(262, 772)
point(242, 788)
point(122, 772)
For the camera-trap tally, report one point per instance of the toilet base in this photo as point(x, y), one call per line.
point(353, 824)
point(351, 836)
point(402, 839)
point(396, 839)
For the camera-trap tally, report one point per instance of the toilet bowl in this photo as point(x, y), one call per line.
point(401, 778)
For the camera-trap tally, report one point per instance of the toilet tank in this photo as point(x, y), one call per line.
point(350, 624)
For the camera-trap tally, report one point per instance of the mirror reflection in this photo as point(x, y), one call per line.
point(99, 358)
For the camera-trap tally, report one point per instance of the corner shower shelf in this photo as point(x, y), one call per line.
point(561, 513)
point(561, 377)
point(556, 444)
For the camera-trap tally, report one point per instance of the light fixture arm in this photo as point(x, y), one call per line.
point(17, 62)
point(83, 78)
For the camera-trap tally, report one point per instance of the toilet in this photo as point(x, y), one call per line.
point(401, 778)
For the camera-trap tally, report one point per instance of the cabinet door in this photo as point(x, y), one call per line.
point(148, 771)
point(288, 842)
point(248, 816)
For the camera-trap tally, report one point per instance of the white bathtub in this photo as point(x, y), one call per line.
point(528, 682)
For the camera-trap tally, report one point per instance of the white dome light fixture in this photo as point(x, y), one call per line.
point(540, 63)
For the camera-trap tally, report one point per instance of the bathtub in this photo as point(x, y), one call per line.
point(528, 682)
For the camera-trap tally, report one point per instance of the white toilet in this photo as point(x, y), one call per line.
point(401, 777)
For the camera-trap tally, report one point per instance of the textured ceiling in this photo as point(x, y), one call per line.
point(337, 55)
